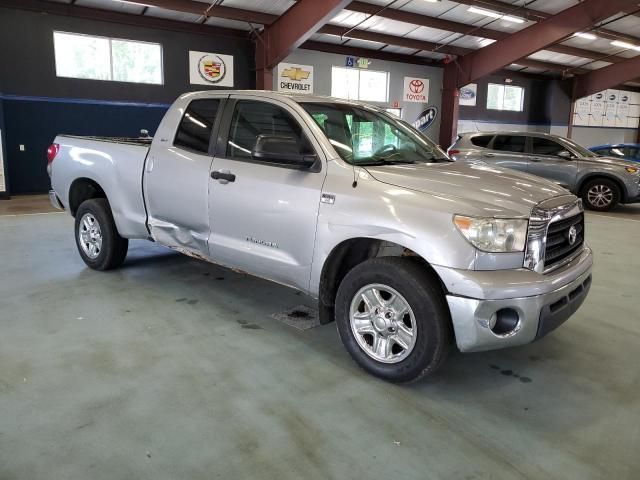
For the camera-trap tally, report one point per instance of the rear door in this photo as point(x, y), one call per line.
point(264, 215)
point(546, 162)
point(508, 151)
point(176, 179)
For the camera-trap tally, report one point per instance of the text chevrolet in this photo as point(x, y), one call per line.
point(407, 251)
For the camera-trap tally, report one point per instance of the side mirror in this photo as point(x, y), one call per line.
point(281, 150)
point(565, 154)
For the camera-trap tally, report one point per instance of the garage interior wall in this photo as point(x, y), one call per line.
point(322, 63)
point(546, 108)
point(37, 105)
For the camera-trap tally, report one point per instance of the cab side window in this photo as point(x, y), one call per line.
point(509, 143)
point(544, 146)
point(252, 118)
point(194, 131)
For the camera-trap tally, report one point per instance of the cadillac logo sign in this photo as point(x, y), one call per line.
point(212, 68)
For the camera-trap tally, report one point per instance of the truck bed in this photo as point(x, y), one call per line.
point(141, 141)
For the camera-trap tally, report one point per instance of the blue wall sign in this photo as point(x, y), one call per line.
point(425, 119)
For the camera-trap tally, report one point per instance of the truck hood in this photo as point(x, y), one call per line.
point(483, 189)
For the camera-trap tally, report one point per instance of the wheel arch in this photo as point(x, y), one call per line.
point(597, 175)
point(82, 189)
point(350, 253)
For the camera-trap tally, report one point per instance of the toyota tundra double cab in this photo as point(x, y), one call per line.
point(409, 252)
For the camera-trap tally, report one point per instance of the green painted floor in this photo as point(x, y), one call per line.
point(172, 368)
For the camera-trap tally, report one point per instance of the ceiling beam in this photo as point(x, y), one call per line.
point(607, 77)
point(90, 13)
point(288, 32)
point(364, 52)
point(429, 46)
point(534, 38)
point(217, 11)
point(465, 29)
point(537, 16)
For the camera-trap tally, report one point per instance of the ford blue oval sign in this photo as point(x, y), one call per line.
point(467, 94)
point(425, 119)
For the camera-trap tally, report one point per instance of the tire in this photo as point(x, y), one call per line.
point(601, 194)
point(97, 238)
point(427, 318)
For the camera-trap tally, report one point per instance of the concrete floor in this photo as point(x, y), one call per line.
point(172, 368)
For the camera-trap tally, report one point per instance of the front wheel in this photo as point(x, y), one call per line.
point(393, 320)
point(601, 194)
point(99, 243)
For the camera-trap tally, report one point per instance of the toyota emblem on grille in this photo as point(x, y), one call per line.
point(572, 235)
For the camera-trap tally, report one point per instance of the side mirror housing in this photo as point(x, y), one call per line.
point(565, 154)
point(282, 150)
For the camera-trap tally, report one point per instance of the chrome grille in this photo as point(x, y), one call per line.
point(558, 247)
point(548, 245)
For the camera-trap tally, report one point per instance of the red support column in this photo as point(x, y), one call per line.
point(290, 31)
point(450, 105)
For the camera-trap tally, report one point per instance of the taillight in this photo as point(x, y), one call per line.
point(52, 151)
point(454, 152)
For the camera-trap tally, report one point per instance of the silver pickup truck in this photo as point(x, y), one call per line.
point(407, 251)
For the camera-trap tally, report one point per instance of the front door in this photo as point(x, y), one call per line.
point(507, 151)
point(176, 180)
point(546, 162)
point(264, 215)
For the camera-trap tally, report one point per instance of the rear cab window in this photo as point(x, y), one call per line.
point(510, 143)
point(194, 131)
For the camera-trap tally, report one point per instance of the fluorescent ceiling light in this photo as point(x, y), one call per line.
point(586, 36)
point(491, 13)
point(485, 41)
point(137, 4)
point(628, 46)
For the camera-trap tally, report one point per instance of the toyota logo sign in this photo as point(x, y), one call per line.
point(416, 86)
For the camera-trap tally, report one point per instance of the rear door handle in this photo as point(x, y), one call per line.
point(223, 176)
point(535, 159)
point(489, 154)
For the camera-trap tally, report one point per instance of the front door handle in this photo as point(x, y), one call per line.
point(223, 176)
point(489, 154)
point(535, 159)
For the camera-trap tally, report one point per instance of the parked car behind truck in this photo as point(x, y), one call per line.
point(602, 182)
point(404, 249)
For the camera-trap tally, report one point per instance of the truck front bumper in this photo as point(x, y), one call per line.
point(504, 308)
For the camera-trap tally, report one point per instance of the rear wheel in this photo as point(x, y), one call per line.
point(393, 319)
point(97, 238)
point(601, 194)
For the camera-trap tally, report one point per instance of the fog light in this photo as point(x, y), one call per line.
point(504, 321)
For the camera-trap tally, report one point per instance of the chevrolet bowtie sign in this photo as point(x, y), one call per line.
point(295, 78)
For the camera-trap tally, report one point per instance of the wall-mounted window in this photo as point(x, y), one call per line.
point(101, 58)
point(505, 97)
point(359, 84)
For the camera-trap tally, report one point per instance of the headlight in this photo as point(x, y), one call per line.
point(493, 234)
point(631, 169)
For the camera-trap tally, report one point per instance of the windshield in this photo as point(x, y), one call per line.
point(579, 149)
point(364, 136)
